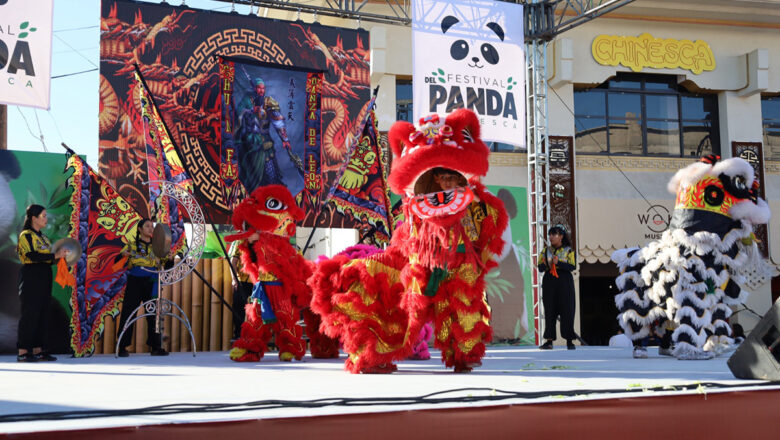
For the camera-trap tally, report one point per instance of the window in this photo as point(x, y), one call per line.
point(646, 115)
point(770, 113)
point(403, 100)
point(502, 147)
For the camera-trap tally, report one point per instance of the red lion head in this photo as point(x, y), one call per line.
point(452, 143)
point(269, 209)
point(453, 146)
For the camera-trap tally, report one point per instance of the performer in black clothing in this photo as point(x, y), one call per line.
point(141, 286)
point(35, 280)
point(242, 287)
point(557, 262)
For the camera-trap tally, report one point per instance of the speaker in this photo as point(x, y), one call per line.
point(758, 357)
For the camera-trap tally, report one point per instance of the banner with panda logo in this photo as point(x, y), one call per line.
point(470, 53)
point(25, 52)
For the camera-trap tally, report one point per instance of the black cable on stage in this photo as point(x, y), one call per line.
point(429, 399)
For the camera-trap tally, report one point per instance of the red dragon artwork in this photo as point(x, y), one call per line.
point(175, 49)
point(279, 273)
point(434, 269)
point(348, 71)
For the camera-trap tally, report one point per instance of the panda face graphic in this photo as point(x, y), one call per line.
point(460, 49)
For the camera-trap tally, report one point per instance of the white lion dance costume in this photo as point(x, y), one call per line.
point(692, 274)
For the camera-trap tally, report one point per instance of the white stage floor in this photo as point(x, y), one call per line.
point(106, 383)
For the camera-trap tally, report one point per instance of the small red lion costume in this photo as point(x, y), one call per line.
point(274, 263)
point(434, 269)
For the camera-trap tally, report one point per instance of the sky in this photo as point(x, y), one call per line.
point(73, 115)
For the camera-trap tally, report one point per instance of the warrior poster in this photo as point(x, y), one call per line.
point(270, 130)
point(177, 49)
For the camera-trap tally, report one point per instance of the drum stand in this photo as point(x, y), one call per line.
point(161, 247)
point(158, 307)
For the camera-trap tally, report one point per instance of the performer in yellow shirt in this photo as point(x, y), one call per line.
point(141, 286)
point(35, 280)
point(557, 262)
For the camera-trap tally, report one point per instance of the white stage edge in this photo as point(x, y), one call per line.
point(104, 382)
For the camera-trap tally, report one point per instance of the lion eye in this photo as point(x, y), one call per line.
point(274, 204)
point(740, 182)
point(713, 195)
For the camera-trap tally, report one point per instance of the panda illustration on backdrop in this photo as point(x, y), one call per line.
point(687, 280)
point(475, 57)
point(9, 302)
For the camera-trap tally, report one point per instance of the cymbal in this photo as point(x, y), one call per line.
point(71, 244)
point(161, 240)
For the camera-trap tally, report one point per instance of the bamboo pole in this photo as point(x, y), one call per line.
point(109, 334)
point(186, 305)
point(206, 295)
point(167, 293)
point(176, 328)
point(197, 307)
point(215, 335)
point(140, 333)
point(227, 317)
point(99, 343)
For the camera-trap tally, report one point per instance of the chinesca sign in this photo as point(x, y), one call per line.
point(636, 53)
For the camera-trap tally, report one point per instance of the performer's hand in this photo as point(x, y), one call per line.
point(555, 259)
point(62, 253)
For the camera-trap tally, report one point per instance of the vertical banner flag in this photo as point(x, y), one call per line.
point(361, 191)
point(232, 189)
point(25, 52)
point(313, 129)
point(481, 64)
point(103, 222)
point(162, 164)
point(270, 130)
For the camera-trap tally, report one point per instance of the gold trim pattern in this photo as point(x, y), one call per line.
point(508, 159)
point(626, 163)
point(772, 167)
point(632, 163)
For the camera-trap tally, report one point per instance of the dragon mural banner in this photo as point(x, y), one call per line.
point(270, 130)
point(361, 191)
point(103, 222)
point(176, 50)
point(162, 164)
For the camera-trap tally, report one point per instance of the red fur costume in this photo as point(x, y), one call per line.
point(434, 269)
point(271, 212)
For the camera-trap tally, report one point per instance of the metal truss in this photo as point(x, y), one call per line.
point(544, 20)
point(401, 10)
point(538, 167)
point(553, 17)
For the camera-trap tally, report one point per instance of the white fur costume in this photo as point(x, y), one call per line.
point(691, 275)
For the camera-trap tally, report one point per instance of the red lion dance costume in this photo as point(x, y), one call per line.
point(280, 272)
point(434, 269)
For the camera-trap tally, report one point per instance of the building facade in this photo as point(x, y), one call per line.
point(641, 92)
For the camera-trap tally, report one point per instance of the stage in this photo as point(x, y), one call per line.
point(591, 392)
